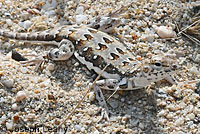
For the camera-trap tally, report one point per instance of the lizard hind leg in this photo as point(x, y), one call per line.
point(64, 51)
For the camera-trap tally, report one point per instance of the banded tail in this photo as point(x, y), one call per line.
point(44, 36)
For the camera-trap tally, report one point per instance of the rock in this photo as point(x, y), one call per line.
point(14, 106)
point(9, 22)
point(165, 32)
point(194, 70)
point(114, 104)
point(51, 67)
point(197, 58)
point(77, 127)
point(80, 10)
point(3, 119)
point(49, 5)
point(91, 96)
point(21, 95)
point(179, 121)
point(23, 70)
point(9, 125)
point(191, 116)
point(26, 24)
point(9, 83)
point(148, 38)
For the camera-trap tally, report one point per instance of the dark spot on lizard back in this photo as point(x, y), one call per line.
point(102, 46)
point(115, 56)
point(107, 40)
point(92, 30)
point(120, 51)
point(88, 36)
point(125, 63)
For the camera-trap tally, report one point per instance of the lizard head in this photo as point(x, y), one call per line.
point(64, 51)
point(159, 67)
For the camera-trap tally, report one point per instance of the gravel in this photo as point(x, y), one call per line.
point(42, 100)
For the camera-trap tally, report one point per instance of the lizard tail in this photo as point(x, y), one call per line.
point(36, 36)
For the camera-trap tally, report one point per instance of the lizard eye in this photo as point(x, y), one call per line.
point(157, 64)
point(56, 53)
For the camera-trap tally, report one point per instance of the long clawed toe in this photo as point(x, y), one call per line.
point(38, 61)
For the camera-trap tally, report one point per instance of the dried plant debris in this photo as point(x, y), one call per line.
point(195, 29)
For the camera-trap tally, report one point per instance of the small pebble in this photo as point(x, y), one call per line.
point(148, 38)
point(21, 95)
point(80, 10)
point(91, 96)
point(51, 67)
point(8, 2)
point(7, 14)
point(26, 24)
point(125, 119)
point(179, 132)
point(114, 104)
point(82, 129)
point(141, 125)
point(179, 121)
point(134, 122)
point(9, 83)
point(147, 13)
point(31, 117)
point(162, 113)
point(194, 70)
point(96, 132)
point(9, 22)
point(76, 64)
point(2, 100)
point(197, 58)
point(123, 99)
point(16, 118)
point(78, 84)
point(14, 106)
point(191, 116)
point(9, 125)
point(57, 121)
point(170, 115)
point(162, 121)
point(78, 127)
point(3, 119)
point(24, 70)
point(165, 32)
point(45, 83)
point(50, 13)
point(50, 5)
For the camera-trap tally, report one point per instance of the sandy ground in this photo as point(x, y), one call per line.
point(40, 101)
